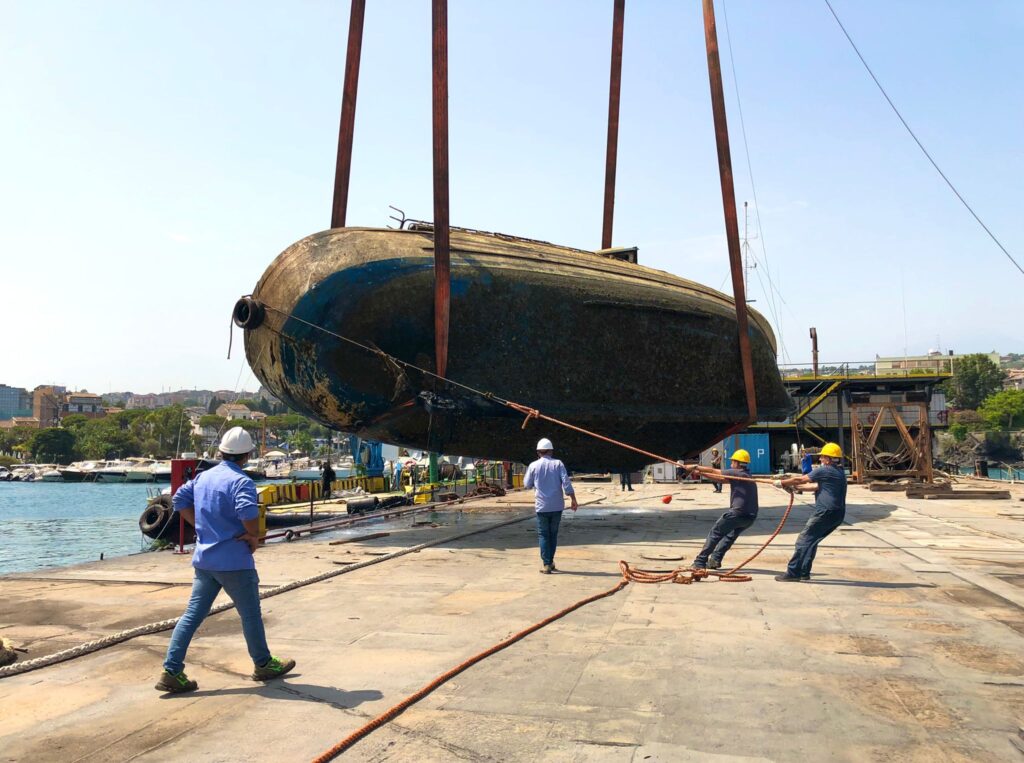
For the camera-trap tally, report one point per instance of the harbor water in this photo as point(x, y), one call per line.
point(54, 524)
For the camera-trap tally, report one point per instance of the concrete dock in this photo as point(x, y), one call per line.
point(907, 645)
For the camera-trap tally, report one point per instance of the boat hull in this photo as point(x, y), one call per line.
point(633, 353)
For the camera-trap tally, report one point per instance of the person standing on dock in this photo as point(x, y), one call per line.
point(221, 504)
point(829, 510)
point(716, 464)
point(327, 478)
point(626, 480)
point(741, 514)
point(806, 461)
point(550, 478)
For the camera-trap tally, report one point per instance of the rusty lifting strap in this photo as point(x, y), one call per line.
point(442, 255)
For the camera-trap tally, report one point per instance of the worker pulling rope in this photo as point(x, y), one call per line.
point(629, 575)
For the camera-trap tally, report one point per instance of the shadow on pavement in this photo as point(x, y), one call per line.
point(870, 584)
point(288, 690)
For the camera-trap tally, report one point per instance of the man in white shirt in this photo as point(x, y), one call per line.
point(550, 478)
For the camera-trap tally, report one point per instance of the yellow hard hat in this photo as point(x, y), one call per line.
point(740, 455)
point(831, 450)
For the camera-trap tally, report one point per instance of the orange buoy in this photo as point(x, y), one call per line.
point(667, 499)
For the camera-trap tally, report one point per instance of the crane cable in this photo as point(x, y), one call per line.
point(920, 145)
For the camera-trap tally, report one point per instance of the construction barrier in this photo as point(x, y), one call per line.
point(299, 492)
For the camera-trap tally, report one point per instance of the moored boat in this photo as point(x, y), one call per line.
point(161, 471)
point(634, 353)
point(139, 470)
point(113, 471)
point(80, 471)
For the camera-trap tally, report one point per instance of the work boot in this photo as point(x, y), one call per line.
point(275, 668)
point(787, 579)
point(175, 683)
point(698, 566)
point(547, 569)
point(553, 567)
point(806, 577)
point(714, 564)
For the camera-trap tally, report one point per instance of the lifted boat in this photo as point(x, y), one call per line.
point(631, 352)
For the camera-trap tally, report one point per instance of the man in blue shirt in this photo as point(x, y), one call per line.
point(806, 461)
point(221, 504)
point(549, 476)
point(829, 510)
point(741, 514)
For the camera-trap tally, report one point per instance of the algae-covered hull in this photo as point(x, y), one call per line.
point(633, 353)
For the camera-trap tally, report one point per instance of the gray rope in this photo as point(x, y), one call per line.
point(163, 625)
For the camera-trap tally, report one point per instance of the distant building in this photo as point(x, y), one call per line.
point(14, 401)
point(234, 411)
point(20, 421)
point(84, 403)
point(1014, 379)
point(933, 362)
point(48, 404)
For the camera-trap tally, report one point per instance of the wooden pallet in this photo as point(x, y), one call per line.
point(964, 495)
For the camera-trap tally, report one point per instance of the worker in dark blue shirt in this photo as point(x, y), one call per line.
point(741, 514)
point(829, 510)
point(221, 504)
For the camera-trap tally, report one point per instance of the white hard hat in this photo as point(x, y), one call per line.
point(236, 441)
point(545, 444)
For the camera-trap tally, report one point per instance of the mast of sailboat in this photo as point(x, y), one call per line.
point(747, 267)
point(729, 206)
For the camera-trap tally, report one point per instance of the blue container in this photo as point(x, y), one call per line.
point(756, 445)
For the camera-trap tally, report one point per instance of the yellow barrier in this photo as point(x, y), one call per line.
point(288, 492)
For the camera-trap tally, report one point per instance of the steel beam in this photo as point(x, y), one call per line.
point(346, 130)
point(612, 154)
point(729, 204)
point(442, 261)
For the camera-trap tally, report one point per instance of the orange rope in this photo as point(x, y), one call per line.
point(398, 709)
point(629, 575)
point(687, 576)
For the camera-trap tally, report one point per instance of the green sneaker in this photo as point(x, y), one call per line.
point(175, 683)
point(273, 669)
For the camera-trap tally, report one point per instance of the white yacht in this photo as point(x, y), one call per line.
point(80, 471)
point(50, 473)
point(161, 471)
point(113, 471)
point(139, 470)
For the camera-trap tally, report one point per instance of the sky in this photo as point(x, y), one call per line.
point(157, 156)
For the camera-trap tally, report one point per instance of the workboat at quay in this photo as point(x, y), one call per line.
point(633, 353)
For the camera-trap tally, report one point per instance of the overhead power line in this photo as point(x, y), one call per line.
point(921, 145)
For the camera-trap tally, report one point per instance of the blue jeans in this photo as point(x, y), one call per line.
point(547, 533)
point(243, 586)
point(818, 527)
point(723, 534)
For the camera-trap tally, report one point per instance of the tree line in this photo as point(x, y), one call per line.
point(160, 433)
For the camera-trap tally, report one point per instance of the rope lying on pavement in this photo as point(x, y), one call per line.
point(163, 625)
point(629, 575)
point(412, 699)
